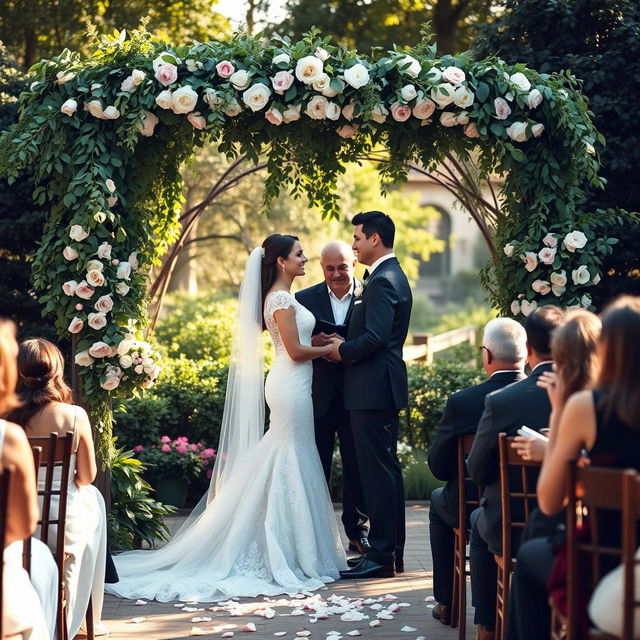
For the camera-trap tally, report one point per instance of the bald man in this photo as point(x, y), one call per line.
point(331, 301)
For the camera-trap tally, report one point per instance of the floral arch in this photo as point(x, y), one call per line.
point(105, 136)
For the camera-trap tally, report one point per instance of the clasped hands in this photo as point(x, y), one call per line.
point(326, 339)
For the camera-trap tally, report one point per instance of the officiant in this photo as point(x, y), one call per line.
point(331, 302)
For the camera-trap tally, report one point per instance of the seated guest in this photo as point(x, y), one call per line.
point(46, 408)
point(604, 422)
point(504, 350)
point(22, 612)
point(521, 403)
point(574, 347)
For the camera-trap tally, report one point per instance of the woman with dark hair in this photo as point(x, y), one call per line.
point(46, 407)
point(267, 525)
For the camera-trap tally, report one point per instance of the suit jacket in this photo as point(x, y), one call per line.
point(375, 373)
point(522, 403)
point(328, 377)
point(461, 416)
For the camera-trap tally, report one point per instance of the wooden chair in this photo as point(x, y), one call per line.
point(26, 544)
point(591, 490)
point(5, 483)
point(517, 503)
point(465, 505)
point(56, 454)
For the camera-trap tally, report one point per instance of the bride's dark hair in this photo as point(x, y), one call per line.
point(275, 246)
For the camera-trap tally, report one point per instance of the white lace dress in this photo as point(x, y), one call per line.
point(271, 528)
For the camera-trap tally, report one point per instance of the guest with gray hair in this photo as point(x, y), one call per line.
point(504, 351)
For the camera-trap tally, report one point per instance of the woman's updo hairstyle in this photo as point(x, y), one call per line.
point(275, 246)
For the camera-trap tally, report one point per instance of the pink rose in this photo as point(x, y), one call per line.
point(400, 112)
point(95, 278)
point(166, 448)
point(104, 304)
point(225, 68)
point(84, 291)
point(182, 448)
point(70, 287)
point(76, 325)
point(138, 448)
point(104, 251)
point(99, 350)
point(97, 321)
point(167, 74)
point(547, 255)
point(79, 307)
point(471, 130)
point(197, 120)
point(347, 130)
point(502, 108)
point(424, 109)
point(282, 81)
point(110, 383)
point(347, 110)
point(550, 240)
point(530, 261)
point(274, 116)
point(112, 200)
point(69, 253)
point(454, 75)
point(165, 439)
point(148, 124)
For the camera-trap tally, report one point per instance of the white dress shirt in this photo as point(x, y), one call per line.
point(380, 260)
point(340, 306)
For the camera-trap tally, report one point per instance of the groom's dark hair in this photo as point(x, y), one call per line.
point(376, 222)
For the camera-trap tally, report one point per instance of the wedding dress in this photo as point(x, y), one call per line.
point(269, 527)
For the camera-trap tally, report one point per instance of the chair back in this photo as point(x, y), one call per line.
point(466, 503)
point(5, 485)
point(600, 497)
point(518, 478)
point(26, 544)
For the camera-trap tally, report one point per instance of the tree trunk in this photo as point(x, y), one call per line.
point(445, 25)
point(30, 41)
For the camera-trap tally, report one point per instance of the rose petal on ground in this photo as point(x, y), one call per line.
point(139, 603)
point(267, 613)
point(431, 606)
point(227, 634)
point(375, 623)
point(197, 631)
point(351, 616)
point(249, 627)
point(201, 619)
point(403, 604)
point(421, 638)
point(297, 612)
point(303, 633)
point(390, 596)
point(355, 632)
point(384, 616)
point(179, 605)
point(394, 608)
point(190, 609)
point(280, 633)
point(408, 629)
point(137, 620)
point(429, 599)
point(376, 607)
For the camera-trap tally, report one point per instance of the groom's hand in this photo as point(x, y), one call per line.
point(334, 354)
point(322, 339)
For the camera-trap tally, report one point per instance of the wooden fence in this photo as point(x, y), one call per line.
point(426, 344)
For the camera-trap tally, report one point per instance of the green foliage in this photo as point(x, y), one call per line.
point(429, 388)
point(419, 482)
point(134, 517)
point(140, 420)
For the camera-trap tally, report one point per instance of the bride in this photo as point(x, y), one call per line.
point(267, 525)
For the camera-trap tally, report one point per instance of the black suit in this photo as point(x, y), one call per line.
point(375, 389)
point(331, 417)
point(522, 403)
point(461, 416)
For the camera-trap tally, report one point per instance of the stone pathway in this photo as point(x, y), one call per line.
point(168, 622)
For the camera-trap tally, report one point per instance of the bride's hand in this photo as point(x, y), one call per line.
point(322, 339)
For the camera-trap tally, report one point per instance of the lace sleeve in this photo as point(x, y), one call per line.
point(276, 301)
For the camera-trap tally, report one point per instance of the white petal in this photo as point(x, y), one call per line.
point(407, 629)
point(137, 620)
point(139, 603)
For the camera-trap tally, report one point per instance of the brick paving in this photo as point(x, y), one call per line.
point(167, 622)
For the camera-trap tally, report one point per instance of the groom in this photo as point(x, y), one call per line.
point(376, 389)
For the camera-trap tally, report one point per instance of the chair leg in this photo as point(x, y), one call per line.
point(462, 593)
point(89, 620)
point(455, 604)
point(499, 600)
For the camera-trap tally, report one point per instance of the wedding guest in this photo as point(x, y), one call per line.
point(504, 350)
point(47, 407)
point(22, 615)
point(331, 302)
point(521, 403)
point(604, 422)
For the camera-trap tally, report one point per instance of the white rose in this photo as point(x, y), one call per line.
point(423, 109)
point(559, 278)
point(99, 349)
point(95, 265)
point(77, 233)
point(408, 92)
point(558, 290)
point(127, 84)
point(463, 97)
point(212, 98)
point(165, 99)
point(550, 240)
point(124, 346)
point(596, 279)
point(537, 129)
point(413, 69)
point(122, 288)
point(75, 325)
point(104, 304)
point(434, 75)
point(83, 359)
point(547, 255)
point(69, 253)
point(317, 108)
point(126, 361)
point(133, 260)
point(291, 114)
point(462, 118)
point(110, 184)
point(70, 287)
point(83, 290)
point(139, 369)
point(528, 307)
point(256, 96)
point(94, 107)
point(332, 111)
point(97, 320)
point(69, 107)
point(124, 271)
point(517, 131)
point(515, 307)
point(530, 261)
point(138, 76)
point(111, 113)
point(112, 201)
point(508, 250)
point(95, 278)
point(454, 75)
point(65, 76)
point(322, 83)
point(575, 240)
point(184, 99)
point(274, 116)
point(309, 69)
point(148, 124)
point(356, 76)
point(541, 286)
point(442, 94)
point(321, 53)
point(534, 99)
point(520, 81)
point(104, 251)
point(330, 92)
point(281, 57)
point(232, 109)
point(581, 275)
point(448, 119)
point(502, 109)
point(379, 113)
point(585, 301)
point(192, 65)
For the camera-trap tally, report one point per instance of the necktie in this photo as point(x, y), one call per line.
point(366, 274)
